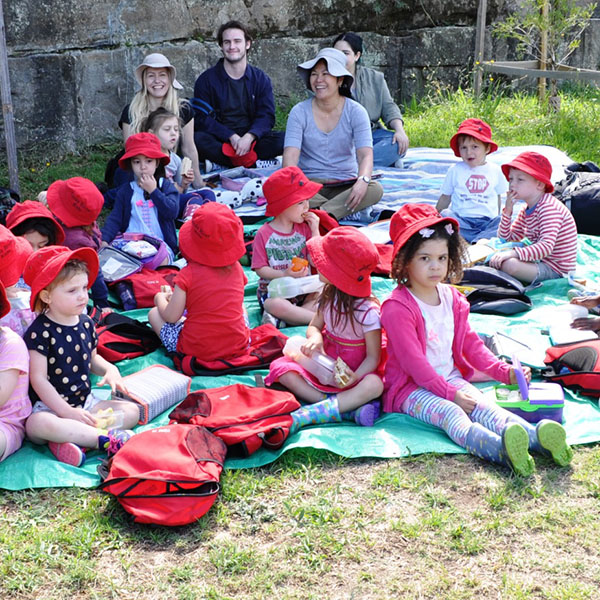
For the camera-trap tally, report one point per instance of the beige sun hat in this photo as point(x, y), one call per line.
point(157, 61)
point(336, 65)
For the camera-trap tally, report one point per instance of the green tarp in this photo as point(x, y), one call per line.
point(393, 436)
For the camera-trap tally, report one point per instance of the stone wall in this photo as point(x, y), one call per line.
point(71, 62)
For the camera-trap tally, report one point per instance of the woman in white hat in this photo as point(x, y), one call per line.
point(329, 137)
point(159, 87)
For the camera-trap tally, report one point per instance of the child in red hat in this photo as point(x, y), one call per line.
point(545, 222)
point(433, 352)
point(276, 243)
point(14, 252)
point(35, 223)
point(76, 203)
point(150, 203)
point(346, 325)
point(62, 352)
point(474, 187)
point(209, 290)
point(14, 385)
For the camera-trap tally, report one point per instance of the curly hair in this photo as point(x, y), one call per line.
point(342, 305)
point(456, 253)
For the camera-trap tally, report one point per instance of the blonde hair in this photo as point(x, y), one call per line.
point(72, 267)
point(139, 109)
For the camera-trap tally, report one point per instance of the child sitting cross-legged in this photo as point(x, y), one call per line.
point(62, 352)
point(346, 326)
point(276, 243)
point(209, 289)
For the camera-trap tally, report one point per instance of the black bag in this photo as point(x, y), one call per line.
point(495, 293)
point(121, 337)
point(8, 198)
point(580, 193)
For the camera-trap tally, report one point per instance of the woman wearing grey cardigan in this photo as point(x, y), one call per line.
point(371, 90)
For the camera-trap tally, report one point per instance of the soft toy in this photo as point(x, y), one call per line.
point(253, 192)
point(231, 199)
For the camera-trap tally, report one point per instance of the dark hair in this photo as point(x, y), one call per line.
point(233, 25)
point(157, 117)
point(43, 225)
point(345, 89)
point(456, 252)
point(352, 39)
point(342, 305)
point(160, 169)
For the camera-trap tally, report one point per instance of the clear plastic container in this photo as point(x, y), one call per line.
point(108, 418)
point(290, 287)
point(320, 365)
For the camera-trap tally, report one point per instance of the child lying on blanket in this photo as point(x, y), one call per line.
point(62, 353)
point(209, 290)
point(545, 221)
point(474, 187)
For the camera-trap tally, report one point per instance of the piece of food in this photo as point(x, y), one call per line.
point(299, 263)
point(342, 372)
point(186, 164)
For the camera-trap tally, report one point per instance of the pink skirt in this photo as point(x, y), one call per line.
point(352, 352)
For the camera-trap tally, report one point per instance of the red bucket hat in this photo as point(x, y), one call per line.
point(347, 258)
point(411, 218)
point(14, 252)
point(287, 187)
point(4, 302)
point(76, 201)
point(32, 210)
point(477, 129)
point(146, 144)
point(245, 160)
point(534, 164)
point(44, 265)
point(214, 236)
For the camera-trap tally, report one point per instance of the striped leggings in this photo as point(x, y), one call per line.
point(429, 408)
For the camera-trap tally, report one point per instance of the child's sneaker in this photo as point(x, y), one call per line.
point(113, 441)
point(269, 318)
point(268, 164)
point(68, 453)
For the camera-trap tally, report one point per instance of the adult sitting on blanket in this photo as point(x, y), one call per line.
point(329, 137)
point(159, 87)
point(235, 108)
point(371, 90)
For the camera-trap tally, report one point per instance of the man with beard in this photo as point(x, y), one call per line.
point(235, 108)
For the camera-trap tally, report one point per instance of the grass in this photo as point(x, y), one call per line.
point(313, 526)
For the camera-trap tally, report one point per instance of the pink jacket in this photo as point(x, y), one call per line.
point(407, 367)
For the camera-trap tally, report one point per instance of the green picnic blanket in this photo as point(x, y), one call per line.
point(393, 436)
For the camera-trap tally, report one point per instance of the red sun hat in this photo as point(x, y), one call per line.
point(4, 302)
point(76, 201)
point(31, 210)
point(245, 160)
point(214, 236)
point(146, 144)
point(44, 265)
point(476, 128)
point(287, 187)
point(534, 164)
point(411, 218)
point(14, 252)
point(346, 257)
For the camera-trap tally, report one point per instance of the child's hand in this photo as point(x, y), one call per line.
point(510, 202)
point(147, 182)
point(587, 301)
point(587, 323)
point(499, 257)
point(289, 272)
point(466, 401)
point(313, 345)
point(312, 221)
point(187, 178)
point(113, 378)
point(526, 372)
point(81, 415)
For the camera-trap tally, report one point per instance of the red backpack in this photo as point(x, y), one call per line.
point(244, 417)
point(167, 476)
point(145, 284)
point(266, 344)
point(121, 337)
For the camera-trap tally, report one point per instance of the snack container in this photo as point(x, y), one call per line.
point(108, 418)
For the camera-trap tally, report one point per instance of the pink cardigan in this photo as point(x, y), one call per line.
point(407, 367)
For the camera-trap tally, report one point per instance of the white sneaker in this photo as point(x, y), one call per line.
point(269, 318)
point(211, 166)
point(268, 164)
point(399, 164)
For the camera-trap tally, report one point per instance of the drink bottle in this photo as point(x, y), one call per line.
point(320, 365)
point(290, 287)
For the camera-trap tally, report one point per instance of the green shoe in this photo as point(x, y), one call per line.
point(516, 446)
point(553, 438)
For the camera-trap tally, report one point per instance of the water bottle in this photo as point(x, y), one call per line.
point(320, 365)
point(290, 287)
point(126, 295)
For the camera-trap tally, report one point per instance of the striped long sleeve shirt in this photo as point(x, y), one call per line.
point(551, 228)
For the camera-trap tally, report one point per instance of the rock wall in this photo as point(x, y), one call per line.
point(71, 62)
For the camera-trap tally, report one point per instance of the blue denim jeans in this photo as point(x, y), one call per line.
point(385, 153)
